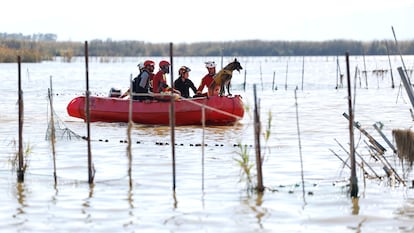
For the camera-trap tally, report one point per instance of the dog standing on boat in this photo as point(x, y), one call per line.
point(223, 78)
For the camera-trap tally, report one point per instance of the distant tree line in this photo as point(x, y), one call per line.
point(35, 37)
point(39, 47)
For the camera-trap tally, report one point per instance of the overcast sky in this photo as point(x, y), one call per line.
point(210, 20)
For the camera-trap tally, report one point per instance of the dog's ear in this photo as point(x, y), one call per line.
point(235, 59)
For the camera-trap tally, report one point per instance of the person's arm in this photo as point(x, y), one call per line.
point(144, 80)
point(192, 86)
point(201, 87)
point(125, 94)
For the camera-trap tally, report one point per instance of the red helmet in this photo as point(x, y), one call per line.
point(149, 63)
point(164, 63)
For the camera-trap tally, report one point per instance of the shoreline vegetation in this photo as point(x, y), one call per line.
point(44, 47)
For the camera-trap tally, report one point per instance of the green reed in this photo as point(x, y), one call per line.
point(247, 171)
point(14, 159)
point(246, 166)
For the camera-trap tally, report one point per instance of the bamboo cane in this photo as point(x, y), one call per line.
point(88, 121)
point(407, 85)
point(389, 62)
point(300, 147)
point(374, 142)
point(260, 186)
point(130, 124)
point(353, 179)
point(303, 71)
point(359, 164)
point(339, 157)
point(387, 165)
point(203, 120)
point(399, 51)
point(365, 69)
point(385, 138)
point(172, 116)
point(20, 171)
point(52, 129)
point(287, 69)
point(261, 76)
point(244, 83)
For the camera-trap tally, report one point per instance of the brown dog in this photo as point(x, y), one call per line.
point(223, 78)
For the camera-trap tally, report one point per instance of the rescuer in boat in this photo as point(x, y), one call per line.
point(140, 68)
point(141, 83)
point(183, 83)
point(160, 87)
point(207, 79)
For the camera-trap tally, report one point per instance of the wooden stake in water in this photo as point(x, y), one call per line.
point(407, 84)
point(402, 60)
point(244, 84)
point(172, 116)
point(88, 119)
point(385, 138)
point(203, 121)
point(257, 127)
point(273, 82)
point(287, 71)
point(261, 76)
point(353, 179)
point(20, 171)
point(338, 74)
point(303, 71)
point(130, 124)
point(365, 72)
point(389, 62)
point(52, 129)
point(300, 147)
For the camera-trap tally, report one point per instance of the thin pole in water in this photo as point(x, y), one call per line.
point(300, 147)
point(20, 171)
point(287, 69)
point(172, 115)
point(353, 179)
point(303, 70)
point(130, 123)
point(273, 83)
point(389, 61)
point(203, 120)
point(399, 51)
point(244, 84)
point(365, 72)
point(261, 76)
point(52, 129)
point(88, 119)
point(407, 85)
point(260, 187)
point(221, 55)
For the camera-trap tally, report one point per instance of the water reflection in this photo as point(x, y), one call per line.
point(355, 206)
point(407, 210)
point(21, 198)
point(86, 205)
point(175, 200)
point(130, 200)
point(256, 207)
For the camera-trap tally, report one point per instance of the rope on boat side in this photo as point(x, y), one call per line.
point(211, 108)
